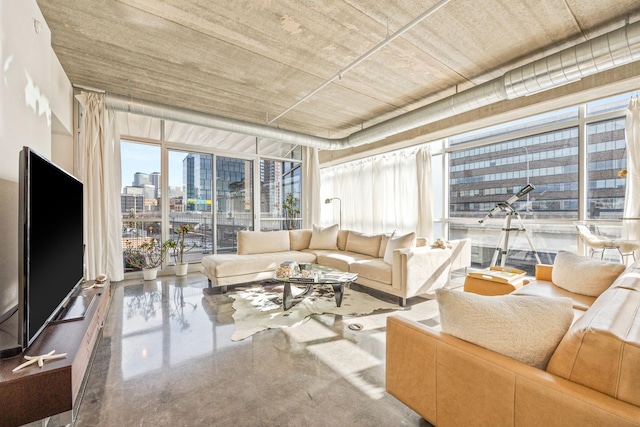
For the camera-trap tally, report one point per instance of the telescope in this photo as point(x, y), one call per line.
point(507, 203)
point(502, 249)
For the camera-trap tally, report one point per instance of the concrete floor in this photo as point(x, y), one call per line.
point(165, 358)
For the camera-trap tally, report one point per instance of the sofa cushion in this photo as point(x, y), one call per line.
point(299, 239)
point(373, 269)
point(541, 288)
point(324, 238)
point(368, 244)
point(602, 348)
point(525, 328)
point(396, 241)
point(339, 259)
point(582, 275)
point(225, 265)
point(258, 242)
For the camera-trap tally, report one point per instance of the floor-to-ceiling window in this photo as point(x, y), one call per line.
point(489, 166)
point(280, 187)
point(605, 159)
point(140, 195)
point(234, 201)
point(176, 174)
point(190, 200)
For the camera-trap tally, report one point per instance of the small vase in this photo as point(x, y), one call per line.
point(150, 273)
point(182, 268)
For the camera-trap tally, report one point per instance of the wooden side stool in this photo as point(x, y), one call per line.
point(489, 287)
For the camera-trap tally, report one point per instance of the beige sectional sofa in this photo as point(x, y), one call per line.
point(592, 377)
point(411, 269)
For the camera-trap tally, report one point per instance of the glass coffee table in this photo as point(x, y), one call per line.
point(325, 276)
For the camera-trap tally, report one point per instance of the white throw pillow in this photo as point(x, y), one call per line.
point(583, 275)
point(398, 242)
point(525, 328)
point(383, 243)
point(324, 238)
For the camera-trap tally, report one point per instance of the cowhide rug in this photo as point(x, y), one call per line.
point(260, 307)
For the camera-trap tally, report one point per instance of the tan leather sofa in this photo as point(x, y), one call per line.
point(592, 379)
point(415, 270)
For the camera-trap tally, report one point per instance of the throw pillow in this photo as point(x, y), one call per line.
point(383, 243)
point(525, 328)
point(363, 243)
point(398, 242)
point(342, 239)
point(324, 238)
point(583, 275)
point(259, 242)
point(299, 239)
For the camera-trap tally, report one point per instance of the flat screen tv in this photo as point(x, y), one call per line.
point(51, 242)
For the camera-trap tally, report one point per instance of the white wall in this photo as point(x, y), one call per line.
point(33, 88)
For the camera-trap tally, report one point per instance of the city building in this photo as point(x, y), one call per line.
point(197, 176)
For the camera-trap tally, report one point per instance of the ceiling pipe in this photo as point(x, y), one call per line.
point(619, 47)
point(366, 56)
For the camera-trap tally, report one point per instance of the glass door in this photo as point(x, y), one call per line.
point(190, 194)
point(280, 195)
point(140, 196)
point(234, 201)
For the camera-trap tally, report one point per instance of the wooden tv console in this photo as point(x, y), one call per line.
point(35, 393)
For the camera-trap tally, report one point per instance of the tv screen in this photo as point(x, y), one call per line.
point(51, 236)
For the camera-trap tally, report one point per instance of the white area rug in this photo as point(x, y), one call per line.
point(260, 307)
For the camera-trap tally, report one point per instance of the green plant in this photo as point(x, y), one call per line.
point(178, 246)
point(148, 254)
point(291, 209)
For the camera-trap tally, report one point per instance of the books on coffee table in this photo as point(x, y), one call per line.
point(499, 274)
point(304, 279)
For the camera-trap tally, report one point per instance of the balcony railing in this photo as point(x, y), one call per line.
point(548, 237)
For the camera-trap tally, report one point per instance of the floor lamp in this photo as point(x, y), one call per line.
point(327, 201)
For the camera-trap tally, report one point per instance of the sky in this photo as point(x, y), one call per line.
point(146, 158)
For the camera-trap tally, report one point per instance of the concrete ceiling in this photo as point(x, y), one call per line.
point(252, 60)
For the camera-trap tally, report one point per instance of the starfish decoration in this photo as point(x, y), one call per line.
point(40, 359)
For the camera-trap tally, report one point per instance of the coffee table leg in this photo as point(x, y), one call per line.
point(288, 300)
point(338, 290)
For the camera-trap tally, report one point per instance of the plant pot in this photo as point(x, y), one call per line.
point(182, 268)
point(150, 273)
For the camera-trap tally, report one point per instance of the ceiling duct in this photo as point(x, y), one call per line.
point(619, 47)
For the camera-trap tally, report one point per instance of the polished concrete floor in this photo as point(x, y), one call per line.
point(166, 358)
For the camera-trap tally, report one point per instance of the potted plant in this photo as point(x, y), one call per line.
point(291, 210)
point(179, 247)
point(147, 256)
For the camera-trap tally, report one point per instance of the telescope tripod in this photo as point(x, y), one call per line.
point(503, 241)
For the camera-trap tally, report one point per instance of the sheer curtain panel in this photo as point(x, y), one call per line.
point(382, 193)
point(631, 221)
point(99, 162)
point(310, 187)
point(425, 193)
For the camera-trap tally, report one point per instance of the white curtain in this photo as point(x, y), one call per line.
point(425, 193)
point(99, 161)
point(310, 187)
point(381, 194)
point(631, 223)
